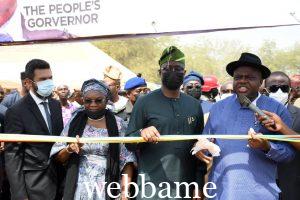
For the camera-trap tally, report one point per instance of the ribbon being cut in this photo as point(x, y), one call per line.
point(166, 138)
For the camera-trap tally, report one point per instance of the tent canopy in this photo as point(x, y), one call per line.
point(71, 63)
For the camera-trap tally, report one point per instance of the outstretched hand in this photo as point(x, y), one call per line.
point(273, 124)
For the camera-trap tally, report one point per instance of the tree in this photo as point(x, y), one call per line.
point(206, 56)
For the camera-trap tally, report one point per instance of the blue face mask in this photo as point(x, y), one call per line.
point(45, 88)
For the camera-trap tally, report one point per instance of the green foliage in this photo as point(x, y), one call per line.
point(204, 55)
point(287, 60)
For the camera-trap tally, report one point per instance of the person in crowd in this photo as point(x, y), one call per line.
point(4, 186)
point(135, 88)
point(246, 169)
point(226, 90)
point(295, 88)
point(210, 88)
point(297, 103)
point(167, 111)
point(31, 174)
point(67, 107)
point(3, 110)
point(112, 77)
point(11, 98)
point(76, 98)
point(278, 86)
point(90, 164)
point(2, 93)
point(192, 85)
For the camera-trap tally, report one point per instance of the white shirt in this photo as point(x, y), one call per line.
point(119, 105)
point(39, 102)
point(255, 100)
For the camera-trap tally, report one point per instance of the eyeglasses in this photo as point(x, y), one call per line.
point(97, 101)
point(275, 88)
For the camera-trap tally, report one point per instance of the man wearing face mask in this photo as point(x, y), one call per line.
point(278, 87)
point(135, 88)
point(192, 85)
point(30, 172)
point(167, 111)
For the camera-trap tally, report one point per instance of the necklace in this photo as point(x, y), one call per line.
point(96, 119)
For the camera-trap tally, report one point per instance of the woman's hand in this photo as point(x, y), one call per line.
point(74, 147)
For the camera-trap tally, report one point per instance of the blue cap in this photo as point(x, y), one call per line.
point(193, 76)
point(134, 83)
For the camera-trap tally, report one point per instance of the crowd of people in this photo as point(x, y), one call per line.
point(186, 104)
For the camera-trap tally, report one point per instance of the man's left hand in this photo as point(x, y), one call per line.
point(258, 143)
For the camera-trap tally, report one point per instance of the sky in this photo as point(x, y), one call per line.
point(285, 37)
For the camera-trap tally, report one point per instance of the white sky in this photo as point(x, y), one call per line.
point(284, 37)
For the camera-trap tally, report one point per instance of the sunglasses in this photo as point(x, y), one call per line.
point(97, 101)
point(275, 88)
point(193, 86)
point(177, 68)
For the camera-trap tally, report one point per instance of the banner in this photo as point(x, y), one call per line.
point(35, 20)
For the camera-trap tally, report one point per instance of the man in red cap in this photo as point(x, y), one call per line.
point(210, 88)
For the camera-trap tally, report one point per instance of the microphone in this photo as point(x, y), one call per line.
point(246, 102)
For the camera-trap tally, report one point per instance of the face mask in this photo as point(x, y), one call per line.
point(224, 96)
point(280, 96)
point(45, 88)
point(172, 80)
point(95, 114)
point(195, 92)
point(137, 96)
